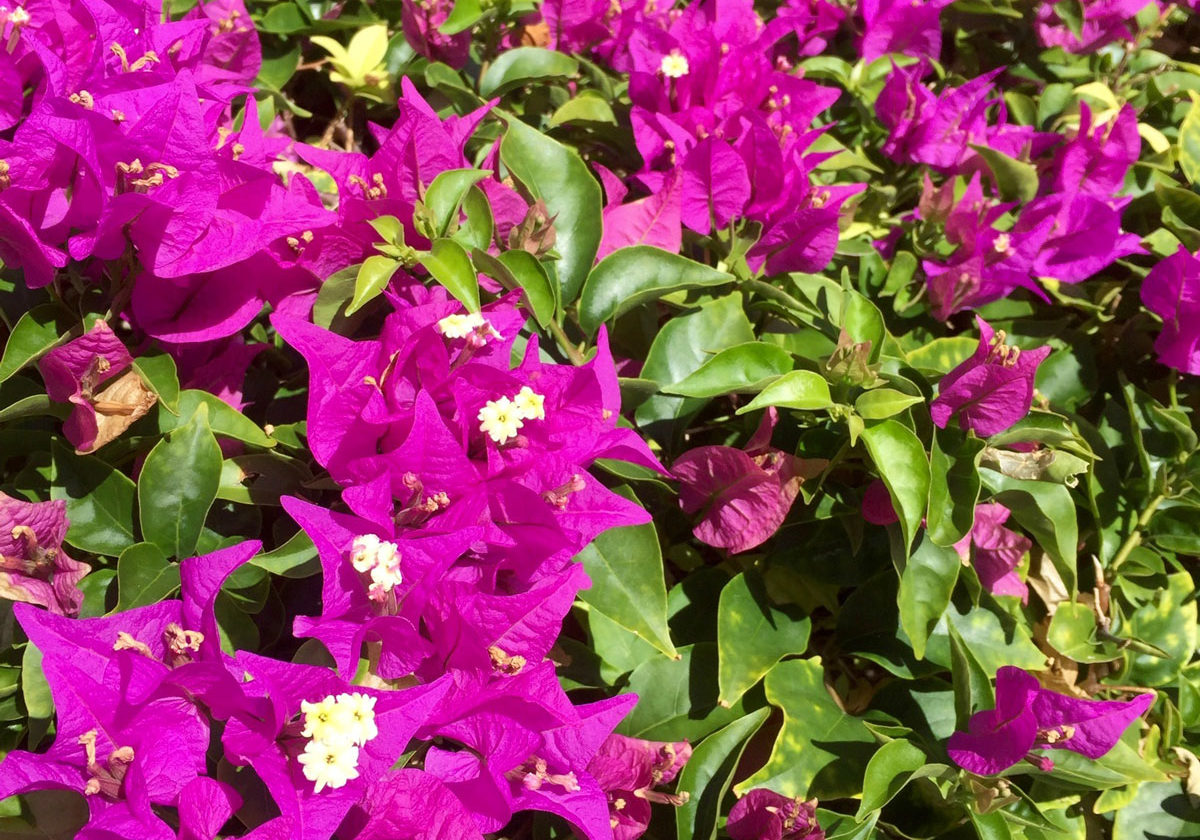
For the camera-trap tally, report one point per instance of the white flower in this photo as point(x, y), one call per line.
point(529, 404)
point(329, 764)
point(500, 419)
point(461, 326)
point(361, 708)
point(674, 65)
point(327, 721)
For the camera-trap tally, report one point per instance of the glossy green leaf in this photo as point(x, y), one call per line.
point(559, 177)
point(1046, 511)
point(972, 682)
point(753, 634)
point(900, 457)
point(707, 776)
point(445, 196)
point(475, 232)
point(821, 750)
point(1017, 180)
point(450, 266)
point(464, 15)
point(683, 344)
point(223, 419)
point(1189, 141)
point(631, 276)
point(1168, 622)
point(677, 698)
point(35, 691)
point(625, 565)
point(541, 293)
point(178, 484)
point(144, 576)
point(925, 587)
point(1073, 633)
point(887, 772)
point(1161, 810)
point(296, 558)
point(157, 371)
point(881, 403)
point(99, 502)
point(36, 332)
point(954, 487)
point(584, 108)
point(373, 277)
point(523, 65)
point(743, 368)
point(801, 389)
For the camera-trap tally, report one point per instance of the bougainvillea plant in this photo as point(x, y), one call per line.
point(463, 419)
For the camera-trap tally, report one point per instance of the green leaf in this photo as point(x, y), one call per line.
point(753, 635)
point(625, 565)
point(178, 484)
point(446, 194)
point(629, 277)
point(516, 67)
point(450, 266)
point(972, 683)
point(223, 419)
point(821, 751)
point(464, 15)
point(708, 773)
point(881, 403)
point(475, 232)
point(887, 772)
point(1169, 621)
point(36, 332)
point(372, 278)
point(743, 368)
point(333, 295)
point(587, 107)
point(677, 698)
point(35, 691)
point(799, 389)
point(144, 576)
point(529, 274)
point(99, 502)
point(296, 558)
point(1016, 179)
point(261, 478)
point(1045, 510)
point(1189, 141)
point(283, 19)
point(157, 371)
point(1161, 810)
point(683, 344)
point(1072, 633)
point(925, 588)
point(559, 177)
point(900, 458)
point(954, 487)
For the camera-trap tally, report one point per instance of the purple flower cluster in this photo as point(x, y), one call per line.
point(723, 123)
point(1066, 233)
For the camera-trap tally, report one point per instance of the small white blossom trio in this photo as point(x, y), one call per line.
point(381, 559)
point(337, 727)
point(500, 419)
point(466, 325)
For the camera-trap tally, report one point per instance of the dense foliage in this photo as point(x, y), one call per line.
point(460, 418)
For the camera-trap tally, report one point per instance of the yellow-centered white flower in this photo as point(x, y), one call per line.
point(361, 709)
point(327, 721)
point(674, 65)
point(461, 326)
point(529, 404)
point(500, 419)
point(329, 764)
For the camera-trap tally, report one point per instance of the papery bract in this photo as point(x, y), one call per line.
point(997, 551)
point(991, 390)
point(766, 815)
point(1029, 717)
point(1172, 291)
point(33, 565)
